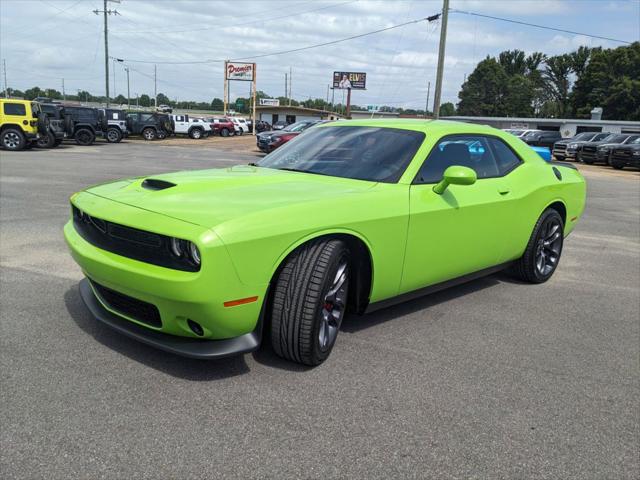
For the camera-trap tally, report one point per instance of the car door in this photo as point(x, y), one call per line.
point(462, 230)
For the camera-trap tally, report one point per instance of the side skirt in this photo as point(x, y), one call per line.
point(405, 297)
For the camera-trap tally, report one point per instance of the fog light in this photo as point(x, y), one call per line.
point(195, 327)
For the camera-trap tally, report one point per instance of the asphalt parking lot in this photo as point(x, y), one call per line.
point(492, 379)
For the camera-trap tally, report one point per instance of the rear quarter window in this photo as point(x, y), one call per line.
point(14, 109)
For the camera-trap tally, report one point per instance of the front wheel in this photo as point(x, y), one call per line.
point(542, 254)
point(224, 132)
point(196, 133)
point(12, 139)
point(309, 301)
point(617, 165)
point(114, 135)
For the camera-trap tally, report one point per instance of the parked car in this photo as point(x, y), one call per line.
point(22, 122)
point(241, 123)
point(261, 126)
point(164, 109)
point(116, 125)
point(347, 217)
point(149, 125)
point(60, 125)
point(544, 152)
point(194, 127)
point(269, 141)
point(279, 125)
point(599, 151)
point(222, 126)
point(626, 155)
point(567, 148)
point(520, 132)
point(87, 123)
point(542, 138)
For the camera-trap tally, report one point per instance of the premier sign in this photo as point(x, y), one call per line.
point(240, 71)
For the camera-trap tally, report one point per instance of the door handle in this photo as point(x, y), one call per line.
point(504, 190)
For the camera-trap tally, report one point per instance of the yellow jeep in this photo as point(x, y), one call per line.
point(21, 123)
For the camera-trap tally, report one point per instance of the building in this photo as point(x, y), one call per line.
point(273, 114)
point(567, 127)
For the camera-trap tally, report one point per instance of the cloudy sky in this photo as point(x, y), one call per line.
point(44, 41)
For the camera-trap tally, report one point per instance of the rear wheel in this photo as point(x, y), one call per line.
point(309, 301)
point(58, 142)
point(224, 132)
point(12, 139)
point(114, 135)
point(162, 135)
point(47, 141)
point(85, 137)
point(149, 133)
point(543, 252)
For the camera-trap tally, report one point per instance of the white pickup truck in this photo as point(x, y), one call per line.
point(194, 127)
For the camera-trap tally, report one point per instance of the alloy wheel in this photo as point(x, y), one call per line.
point(549, 246)
point(333, 307)
point(11, 140)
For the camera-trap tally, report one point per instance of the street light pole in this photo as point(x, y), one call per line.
point(441, 49)
point(128, 91)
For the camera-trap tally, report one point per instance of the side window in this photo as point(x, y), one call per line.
point(506, 159)
point(470, 151)
point(15, 109)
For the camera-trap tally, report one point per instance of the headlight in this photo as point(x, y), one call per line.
point(573, 145)
point(602, 149)
point(185, 249)
point(636, 153)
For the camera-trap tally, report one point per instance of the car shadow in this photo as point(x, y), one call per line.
point(354, 323)
point(180, 367)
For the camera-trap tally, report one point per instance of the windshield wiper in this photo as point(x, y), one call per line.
point(304, 171)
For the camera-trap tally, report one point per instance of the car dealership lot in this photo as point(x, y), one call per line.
point(490, 379)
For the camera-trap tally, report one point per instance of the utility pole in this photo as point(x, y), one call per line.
point(426, 107)
point(290, 82)
point(106, 12)
point(155, 85)
point(64, 97)
point(286, 87)
point(128, 91)
point(6, 88)
point(327, 93)
point(114, 78)
point(443, 40)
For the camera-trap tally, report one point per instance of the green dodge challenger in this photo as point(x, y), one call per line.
point(349, 216)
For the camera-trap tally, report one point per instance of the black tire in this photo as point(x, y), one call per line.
point(617, 165)
point(196, 133)
point(84, 137)
point(58, 142)
point(114, 135)
point(542, 255)
point(46, 141)
point(162, 135)
point(587, 161)
point(12, 139)
point(43, 123)
point(149, 133)
point(224, 132)
point(303, 329)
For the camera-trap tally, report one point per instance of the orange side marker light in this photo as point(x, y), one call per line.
point(241, 301)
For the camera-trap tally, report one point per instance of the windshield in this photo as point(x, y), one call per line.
point(35, 108)
point(295, 127)
point(636, 141)
point(362, 153)
point(616, 138)
point(584, 136)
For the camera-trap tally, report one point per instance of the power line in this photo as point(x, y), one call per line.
point(539, 26)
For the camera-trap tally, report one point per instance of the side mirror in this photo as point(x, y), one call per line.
point(455, 175)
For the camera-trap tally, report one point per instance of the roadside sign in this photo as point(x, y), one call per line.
point(350, 80)
point(270, 102)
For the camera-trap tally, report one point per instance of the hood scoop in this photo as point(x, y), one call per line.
point(156, 184)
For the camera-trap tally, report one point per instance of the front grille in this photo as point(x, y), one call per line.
point(559, 148)
point(589, 149)
point(129, 242)
point(131, 307)
point(622, 153)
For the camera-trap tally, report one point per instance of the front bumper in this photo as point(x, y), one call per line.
point(179, 296)
point(184, 346)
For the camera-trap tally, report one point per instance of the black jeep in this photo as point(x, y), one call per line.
point(149, 125)
point(88, 123)
point(60, 125)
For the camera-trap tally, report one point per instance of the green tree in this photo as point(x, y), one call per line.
point(484, 91)
point(144, 100)
point(514, 62)
point(217, 104)
point(32, 93)
point(163, 99)
point(120, 100)
point(556, 76)
point(447, 109)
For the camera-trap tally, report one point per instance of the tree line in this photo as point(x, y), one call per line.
point(561, 86)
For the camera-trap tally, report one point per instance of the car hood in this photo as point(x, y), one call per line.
point(568, 141)
point(211, 197)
